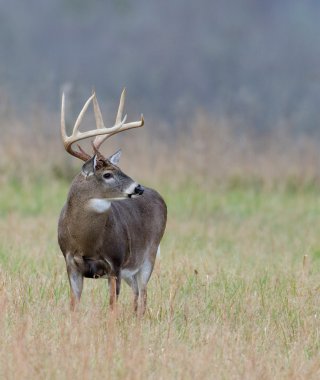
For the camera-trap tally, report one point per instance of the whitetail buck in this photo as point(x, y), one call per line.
point(110, 226)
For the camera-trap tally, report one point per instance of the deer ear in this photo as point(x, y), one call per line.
point(115, 158)
point(89, 167)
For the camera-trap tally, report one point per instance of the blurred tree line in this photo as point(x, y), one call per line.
point(254, 62)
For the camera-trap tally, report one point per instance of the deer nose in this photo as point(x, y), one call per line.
point(139, 190)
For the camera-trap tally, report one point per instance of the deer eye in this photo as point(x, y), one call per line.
point(107, 175)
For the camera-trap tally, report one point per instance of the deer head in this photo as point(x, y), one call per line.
point(105, 179)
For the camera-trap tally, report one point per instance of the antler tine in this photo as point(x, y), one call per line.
point(121, 105)
point(81, 114)
point(68, 141)
point(122, 126)
point(97, 113)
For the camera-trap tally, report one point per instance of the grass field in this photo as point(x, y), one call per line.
point(235, 294)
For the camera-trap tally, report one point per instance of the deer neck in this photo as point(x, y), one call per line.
point(90, 210)
point(98, 206)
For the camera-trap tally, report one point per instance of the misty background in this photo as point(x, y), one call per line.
point(254, 63)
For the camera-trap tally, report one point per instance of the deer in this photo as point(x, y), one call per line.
point(110, 226)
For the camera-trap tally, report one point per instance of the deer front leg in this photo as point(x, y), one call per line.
point(76, 285)
point(75, 281)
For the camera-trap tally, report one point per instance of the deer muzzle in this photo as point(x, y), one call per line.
point(139, 190)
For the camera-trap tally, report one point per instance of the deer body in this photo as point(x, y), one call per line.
point(110, 227)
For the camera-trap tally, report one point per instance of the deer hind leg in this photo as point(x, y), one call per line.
point(75, 281)
point(142, 280)
point(132, 282)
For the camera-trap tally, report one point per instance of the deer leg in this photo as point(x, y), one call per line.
point(142, 279)
point(112, 292)
point(132, 282)
point(76, 285)
point(118, 286)
point(135, 302)
point(75, 281)
point(142, 301)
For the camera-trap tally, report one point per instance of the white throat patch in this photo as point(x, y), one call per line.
point(99, 205)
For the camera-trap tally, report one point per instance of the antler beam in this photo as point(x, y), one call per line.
point(101, 133)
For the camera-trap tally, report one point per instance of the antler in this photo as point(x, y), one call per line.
point(101, 132)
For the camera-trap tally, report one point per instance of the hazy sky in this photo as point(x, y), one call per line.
point(254, 62)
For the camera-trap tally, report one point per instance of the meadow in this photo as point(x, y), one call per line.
point(234, 294)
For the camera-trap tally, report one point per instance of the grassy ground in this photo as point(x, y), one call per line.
point(230, 297)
